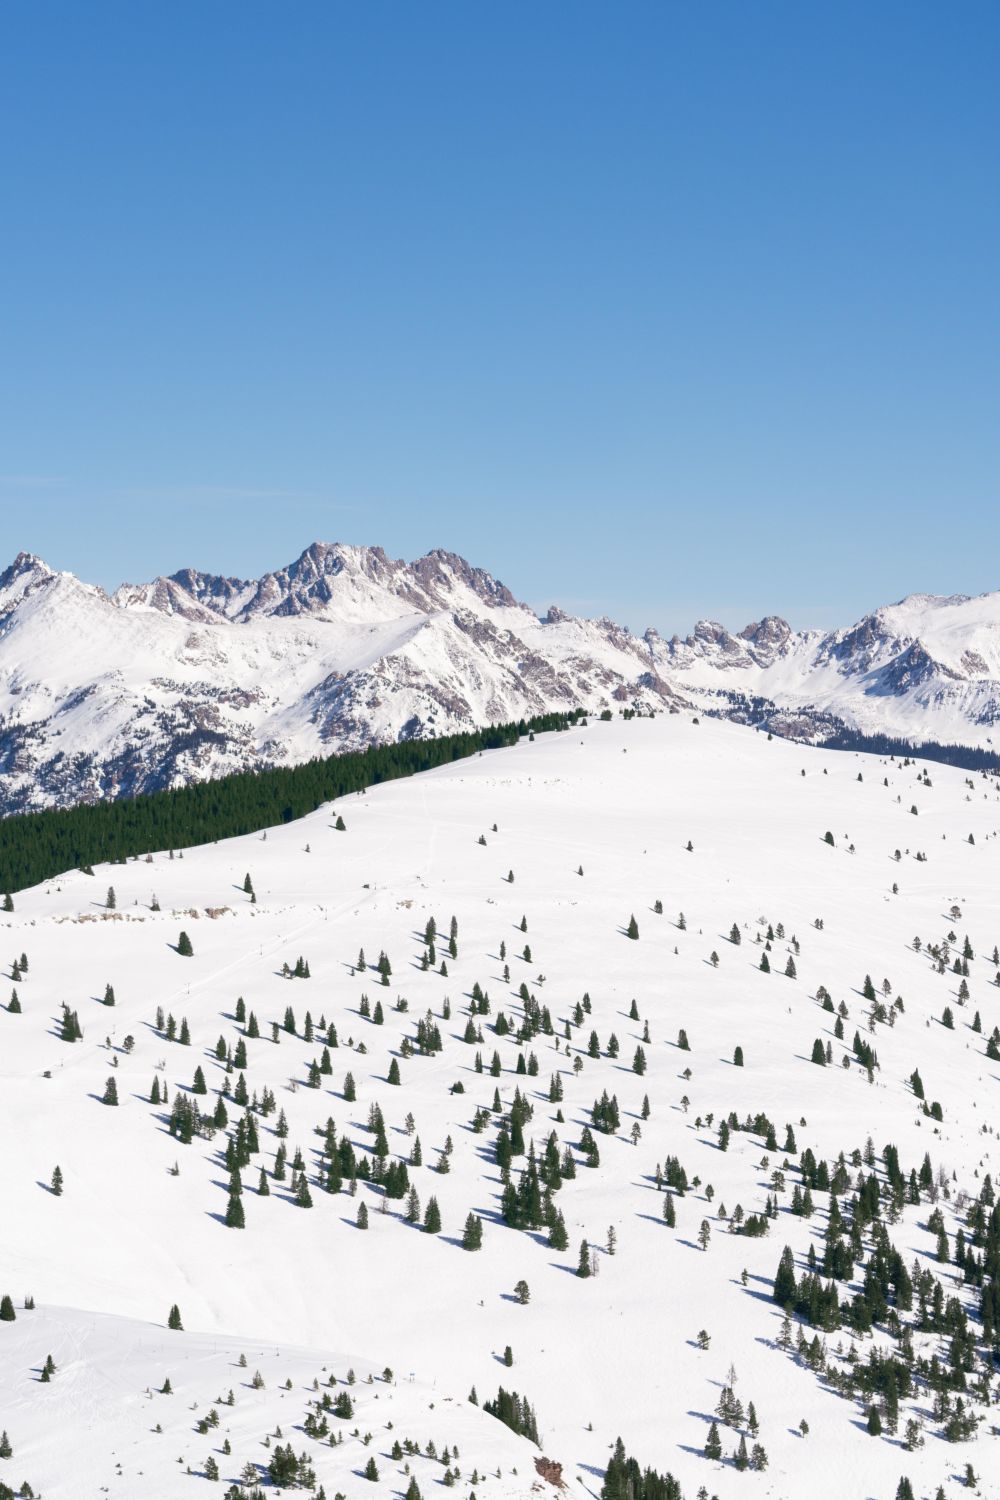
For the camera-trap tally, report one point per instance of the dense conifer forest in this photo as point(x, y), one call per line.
point(35, 846)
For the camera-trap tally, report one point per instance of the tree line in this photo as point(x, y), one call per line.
point(35, 846)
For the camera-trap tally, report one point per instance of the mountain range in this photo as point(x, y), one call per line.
point(195, 675)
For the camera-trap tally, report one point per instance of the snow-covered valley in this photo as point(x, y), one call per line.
point(713, 838)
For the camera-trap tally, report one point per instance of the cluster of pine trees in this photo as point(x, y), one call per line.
point(35, 846)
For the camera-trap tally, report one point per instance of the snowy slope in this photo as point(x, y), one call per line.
point(614, 1354)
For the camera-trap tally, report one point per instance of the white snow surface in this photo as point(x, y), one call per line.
point(304, 1291)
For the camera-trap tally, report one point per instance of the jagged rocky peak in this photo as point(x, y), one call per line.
point(554, 615)
point(328, 578)
point(25, 569)
point(771, 633)
point(710, 634)
point(440, 568)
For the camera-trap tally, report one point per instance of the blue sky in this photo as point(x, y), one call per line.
point(661, 310)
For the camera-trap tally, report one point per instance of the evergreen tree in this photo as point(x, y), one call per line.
point(583, 1264)
point(174, 1319)
point(184, 947)
point(362, 1219)
point(235, 1218)
point(57, 1182)
point(633, 927)
point(110, 1092)
point(109, 994)
point(432, 1217)
point(7, 1313)
point(785, 1287)
point(713, 1444)
point(472, 1235)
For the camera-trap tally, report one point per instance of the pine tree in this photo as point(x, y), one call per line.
point(432, 1217)
point(819, 1053)
point(235, 1218)
point(362, 1219)
point(111, 901)
point(174, 1319)
point(109, 994)
point(765, 967)
point(583, 1264)
point(110, 1092)
point(669, 1211)
point(57, 1182)
point(7, 1313)
point(713, 1444)
point(633, 927)
point(472, 1235)
point(370, 1470)
point(184, 947)
point(393, 1074)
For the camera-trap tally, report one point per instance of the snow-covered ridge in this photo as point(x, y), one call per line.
point(193, 675)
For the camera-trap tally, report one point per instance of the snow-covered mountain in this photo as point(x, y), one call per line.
point(194, 675)
point(925, 669)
